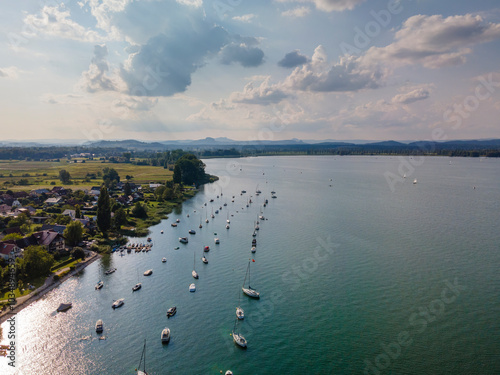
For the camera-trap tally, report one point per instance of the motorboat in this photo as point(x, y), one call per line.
point(206, 249)
point(204, 259)
point(164, 260)
point(194, 274)
point(254, 242)
point(171, 311)
point(149, 239)
point(192, 231)
point(99, 326)
point(192, 287)
point(174, 225)
point(253, 249)
point(118, 303)
point(178, 220)
point(227, 226)
point(165, 335)
point(148, 273)
point(136, 287)
point(216, 240)
point(64, 307)
point(183, 240)
point(99, 285)
point(161, 232)
point(110, 271)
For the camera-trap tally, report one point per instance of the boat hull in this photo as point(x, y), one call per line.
point(251, 293)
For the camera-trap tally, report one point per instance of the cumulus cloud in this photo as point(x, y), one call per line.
point(411, 96)
point(10, 72)
point(434, 41)
point(329, 5)
point(246, 55)
point(344, 76)
point(293, 59)
point(296, 12)
point(56, 22)
point(96, 77)
point(163, 66)
point(264, 94)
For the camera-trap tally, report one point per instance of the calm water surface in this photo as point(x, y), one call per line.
point(354, 278)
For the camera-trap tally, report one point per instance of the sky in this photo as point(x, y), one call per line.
point(158, 70)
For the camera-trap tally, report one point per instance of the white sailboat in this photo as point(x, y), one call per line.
point(249, 291)
point(238, 337)
point(143, 355)
point(194, 273)
point(240, 314)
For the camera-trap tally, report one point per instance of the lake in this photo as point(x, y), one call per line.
point(360, 271)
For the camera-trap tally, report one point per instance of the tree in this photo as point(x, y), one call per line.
point(110, 177)
point(103, 211)
point(78, 212)
point(191, 168)
point(78, 253)
point(73, 233)
point(177, 174)
point(127, 156)
point(139, 211)
point(120, 218)
point(127, 189)
point(37, 261)
point(64, 176)
point(12, 236)
point(159, 191)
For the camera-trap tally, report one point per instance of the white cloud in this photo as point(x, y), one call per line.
point(296, 12)
point(264, 94)
point(247, 18)
point(434, 41)
point(96, 78)
point(11, 72)
point(329, 5)
point(411, 96)
point(344, 76)
point(53, 21)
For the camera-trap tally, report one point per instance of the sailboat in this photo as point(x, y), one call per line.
point(194, 273)
point(200, 226)
point(238, 337)
point(212, 215)
point(414, 181)
point(143, 355)
point(240, 314)
point(249, 291)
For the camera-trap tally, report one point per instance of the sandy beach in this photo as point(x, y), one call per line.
point(49, 284)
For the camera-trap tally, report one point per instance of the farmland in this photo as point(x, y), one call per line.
point(45, 174)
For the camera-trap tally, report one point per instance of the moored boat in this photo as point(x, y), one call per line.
point(192, 287)
point(165, 335)
point(118, 303)
point(183, 240)
point(99, 326)
point(136, 287)
point(171, 311)
point(64, 307)
point(99, 285)
point(148, 272)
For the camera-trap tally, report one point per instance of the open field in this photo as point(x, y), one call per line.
point(45, 174)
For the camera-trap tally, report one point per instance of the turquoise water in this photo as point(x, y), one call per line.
point(344, 271)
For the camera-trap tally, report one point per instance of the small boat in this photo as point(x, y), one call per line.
point(243, 191)
point(253, 249)
point(216, 211)
point(274, 196)
point(254, 242)
point(174, 225)
point(110, 271)
point(136, 287)
point(99, 285)
point(99, 326)
point(118, 303)
point(227, 226)
point(414, 181)
point(64, 307)
point(161, 232)
point(183, 240)
point(193, 272)
point(192, 231)
point(206, 249)
point(254, 233)
point(192, 287)
point(216, 240)
point(239, 339)
point(149, 239)
point(273, 192)
point(240, 314)
point(204, 259)
point(171, 311)
point(229, 372)
point(165, 335)
point(251, 292)
point(164, 260)
point(178, 221)
point(148, 273)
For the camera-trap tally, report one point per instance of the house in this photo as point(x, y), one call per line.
point(53, 227)
point(154, 186)
point(20, 194)
point(11, 230)
point(37, 192)
point(53, 201)
point(5, 209)
point(70, 213)
point(28, 210)
point(9, 249)
point(95, 190)
point(16, 203)
point(39, 219)
point(50, 239)
point(59, 190)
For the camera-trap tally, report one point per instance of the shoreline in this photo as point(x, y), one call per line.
point(49, 285)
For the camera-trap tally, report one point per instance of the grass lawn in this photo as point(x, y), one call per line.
point(40, 174)
point(38, 282)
